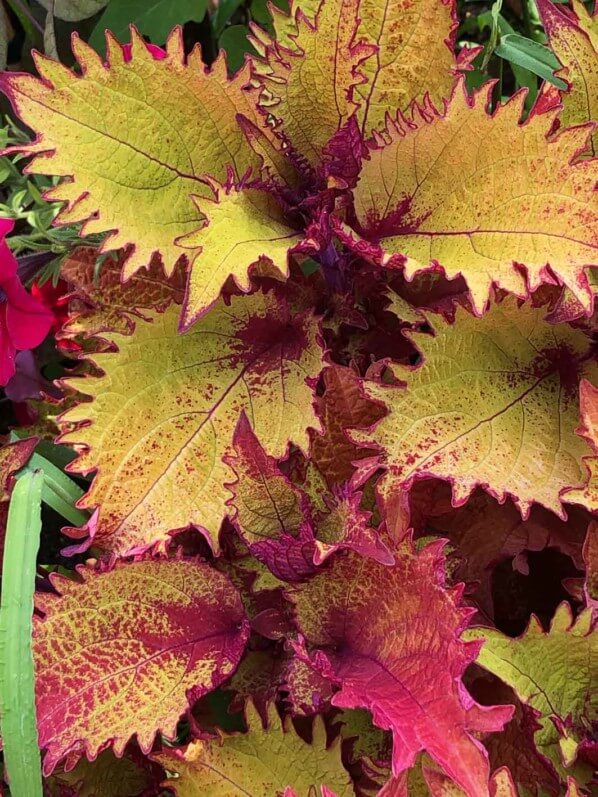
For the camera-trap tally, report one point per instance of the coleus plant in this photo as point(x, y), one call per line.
point(350, 317)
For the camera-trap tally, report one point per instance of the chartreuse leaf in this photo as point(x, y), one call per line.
point(394, 648)
point(107, 776)
point(242, 229)
point(124, 653)
point(574, 40)
point(261, 762)
point(519, 200)
point(588, 494)
point(415, 57)
point(495, 403)
point(309, 89)
point(554, 672)
point(135, 178)
point(17, 692)
point(154, 19)
point(165, 409)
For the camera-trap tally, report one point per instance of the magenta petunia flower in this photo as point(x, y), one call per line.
point(24, 322)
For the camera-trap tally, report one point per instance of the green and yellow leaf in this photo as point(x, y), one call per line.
point(137, 139)
point(495, 403)
point(124, 652)
point(588, 494)
point(554, 672)
point(242, 229)
point(165, 409)
point(482, 196)
point(574, 41)
point(415, 56)
point(309, 89)
point(262, 762)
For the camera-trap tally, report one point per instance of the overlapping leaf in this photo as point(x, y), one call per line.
point(137, 139)
point(341, 407)
point(588, 494)
point(293, 529)
point(481, 195)
point(554, 672)
point(165, 409)
point(242, 229)
point(102, 303)
point(574, 40)
point(394, 648)
point(262, 762)
point(493, 404)
point(484, 534)
point(123, 652)
point(309, 89)
point(107, 776)
point(271, 515)
point(414, 58)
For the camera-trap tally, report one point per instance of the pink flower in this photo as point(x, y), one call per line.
point(24, 322)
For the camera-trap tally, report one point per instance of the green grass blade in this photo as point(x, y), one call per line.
point(17, 691)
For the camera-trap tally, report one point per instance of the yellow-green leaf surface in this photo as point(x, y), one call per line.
point(415, 55)
point(260, 763)
point(494, 403)
point(242, 229)
point(124, 653)
point(574, 40)
point(107, 776)
point(554, 672)
point(309, 89)
point(588, 494)
point(165, 409)
point(481, 195)
point(137, 139)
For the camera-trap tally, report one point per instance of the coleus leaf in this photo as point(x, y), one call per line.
point(573, 38)
point(394, 649)
point(242, 229)
point(293, 529)
point(588, 494)
point(107, 776)
point(439, 785)
point(309, 89)
point(135, 179)
point(165, 409)
point(523, 201)
point(590, 555)
point(476, 552)
point(272, 515)
point(341, 407)
point(103, 304)
point(493, 404)
point(409, 63)
point(261, 762)
point(143, 639)
point(551, 671)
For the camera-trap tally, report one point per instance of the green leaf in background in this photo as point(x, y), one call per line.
point(73, 10)
point(523, 77)
point(17, 691)
point(224, 11)
point(531, 55)
point(153, 18)
point(234, 41)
